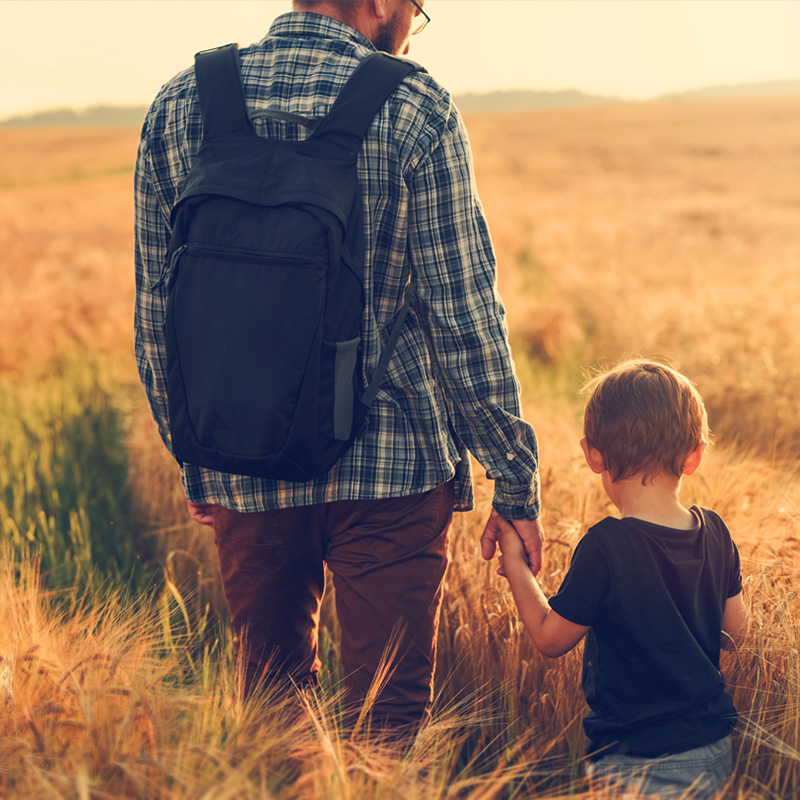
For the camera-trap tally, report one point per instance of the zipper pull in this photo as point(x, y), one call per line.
point(169, 268)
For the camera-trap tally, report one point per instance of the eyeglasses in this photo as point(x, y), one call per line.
point(425, 19)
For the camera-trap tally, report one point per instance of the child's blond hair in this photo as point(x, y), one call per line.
point(644, 418)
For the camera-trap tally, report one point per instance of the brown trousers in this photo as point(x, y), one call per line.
point(388, 558)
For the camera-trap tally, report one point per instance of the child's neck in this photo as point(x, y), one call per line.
point(655, 500)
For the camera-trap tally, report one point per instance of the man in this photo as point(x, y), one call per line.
point(380, 517)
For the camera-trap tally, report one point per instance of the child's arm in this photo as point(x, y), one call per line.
point(735, 622)
point(551, 633)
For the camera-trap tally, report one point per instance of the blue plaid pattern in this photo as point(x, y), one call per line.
point(450, 386)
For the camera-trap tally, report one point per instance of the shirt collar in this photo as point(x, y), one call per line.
point(317, 26)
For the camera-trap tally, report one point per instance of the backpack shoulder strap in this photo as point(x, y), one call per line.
point(367, 89)
point(219, 86)
point(371, 392)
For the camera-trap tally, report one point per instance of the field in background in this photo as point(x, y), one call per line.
point(666, 229)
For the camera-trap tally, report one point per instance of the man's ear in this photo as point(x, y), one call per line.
point(593, 457)
point(694, 458)
point(378, 8)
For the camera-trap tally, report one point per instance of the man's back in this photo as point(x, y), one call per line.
point(423, 222)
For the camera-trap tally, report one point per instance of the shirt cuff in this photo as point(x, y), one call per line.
point(513, 501)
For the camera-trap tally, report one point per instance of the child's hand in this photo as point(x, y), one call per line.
point(528, 531)
point(512, 547)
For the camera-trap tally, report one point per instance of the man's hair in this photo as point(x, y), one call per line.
point(644, 417)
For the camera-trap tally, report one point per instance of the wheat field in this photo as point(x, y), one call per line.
point(659, 229)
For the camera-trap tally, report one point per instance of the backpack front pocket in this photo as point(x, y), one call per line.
point(246, 330)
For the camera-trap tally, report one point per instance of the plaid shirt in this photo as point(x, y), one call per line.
point(450, 385)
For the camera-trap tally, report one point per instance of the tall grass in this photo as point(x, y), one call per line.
point(104, 697)
point(64, 472)
point(653, 229)
point(666, 229)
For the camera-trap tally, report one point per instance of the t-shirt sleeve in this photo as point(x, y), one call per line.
point(586, 585)
point(735, 581)
point(728, 553)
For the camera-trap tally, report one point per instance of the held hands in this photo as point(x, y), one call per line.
point(520, 542)
point(521, 545)
point(202, 513)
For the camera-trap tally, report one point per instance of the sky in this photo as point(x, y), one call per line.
point(76, 53)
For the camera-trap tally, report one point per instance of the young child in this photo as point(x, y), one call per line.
point(656, 592)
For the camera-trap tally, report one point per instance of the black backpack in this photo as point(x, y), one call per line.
point(266, 267)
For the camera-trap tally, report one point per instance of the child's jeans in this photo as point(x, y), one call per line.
point(705, 769)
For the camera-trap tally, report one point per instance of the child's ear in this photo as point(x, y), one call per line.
point(694, 458)
point(593, 457)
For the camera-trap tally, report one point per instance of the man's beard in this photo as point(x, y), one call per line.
point(389, 39)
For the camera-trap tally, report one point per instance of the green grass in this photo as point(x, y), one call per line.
point(63, 473)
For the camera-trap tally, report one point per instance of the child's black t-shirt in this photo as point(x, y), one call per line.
point(654, 598)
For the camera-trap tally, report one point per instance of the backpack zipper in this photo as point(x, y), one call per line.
point(249, 256)
point(198, 248)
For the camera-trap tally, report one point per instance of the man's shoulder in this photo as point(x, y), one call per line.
point(421, 87)
point(422, 110)
point(177, 87)
point(178, 90)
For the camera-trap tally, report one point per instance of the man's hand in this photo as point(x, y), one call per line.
point(513, 556)
point(530, 531)
point(202, 513)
